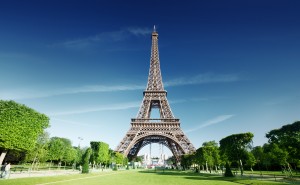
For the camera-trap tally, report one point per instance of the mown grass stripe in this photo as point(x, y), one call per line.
point(112, 173)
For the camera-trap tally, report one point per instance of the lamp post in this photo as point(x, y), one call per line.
point(80, 139)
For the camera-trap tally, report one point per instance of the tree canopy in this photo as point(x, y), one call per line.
point(287, 137)
point(20, 126)
point(234, 147)
point(100, 152)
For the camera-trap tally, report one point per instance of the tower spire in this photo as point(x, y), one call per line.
point(154, 79)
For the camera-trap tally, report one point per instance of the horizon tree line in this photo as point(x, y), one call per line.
point(23, 138)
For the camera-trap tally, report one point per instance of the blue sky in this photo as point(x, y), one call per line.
point(228, 66)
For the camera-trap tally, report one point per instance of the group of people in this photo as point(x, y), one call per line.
point(5, 170)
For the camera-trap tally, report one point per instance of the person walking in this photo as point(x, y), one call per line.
point(2, 174)
point(7, 171)
point(3, 170)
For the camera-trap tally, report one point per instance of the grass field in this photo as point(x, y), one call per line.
point(134, 177)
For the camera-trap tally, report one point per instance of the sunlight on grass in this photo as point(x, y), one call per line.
point(135, 177)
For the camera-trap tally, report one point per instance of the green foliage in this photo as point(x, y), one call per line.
point(275, 154)
point(60, 149)
point(125, 161)
point(115, 168)
point(100, 152)
point(208, 155)
point(138, 159)
point(171, 160)
point(251, 161)
point(235, 146)
point(39, 153)
point(287, 138)
point(200, 156)
point(119, 158)
point(20, 126)
point(187, 161)
point(85, 160)
point(258, 154)
point(56, 149)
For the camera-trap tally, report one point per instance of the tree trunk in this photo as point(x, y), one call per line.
point(2, 156)
point(241, 165)
point(289, 169)
point(34, 161)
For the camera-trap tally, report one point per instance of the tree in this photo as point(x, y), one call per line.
point(70, 155)
point(119, 158)
point(56, 149)
point(258, 154)
point(61, 150)
point(85, 160)
point(251, 161)
point(276, 156)
point(211, 154)
point(200, 158)
point(187, 160)
point(39, 152)
point(235, 147)
point(100, 152)
point(288, 138)
point(20, 127)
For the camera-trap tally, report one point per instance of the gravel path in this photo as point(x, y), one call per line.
point(14, 175)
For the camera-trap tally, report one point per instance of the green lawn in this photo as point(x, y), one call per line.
point(135, 177)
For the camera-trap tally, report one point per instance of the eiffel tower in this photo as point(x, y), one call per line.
point(164, 130)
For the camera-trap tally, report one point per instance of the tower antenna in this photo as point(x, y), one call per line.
point(154, 28)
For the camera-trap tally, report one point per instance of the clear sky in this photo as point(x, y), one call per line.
point(228, 66)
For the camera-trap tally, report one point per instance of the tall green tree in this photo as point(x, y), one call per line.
point(100, 152)
point(39, 152)
point(259, 156)
point(61, 150)
point(287, 138)
point(20, 127)
point(187, 160)
point(119, 158)
point(235, 147)
point(276, 156)
point(56, 149)
point(251, 161)
point(211, 154)
point(200, 159)
point(85, 160)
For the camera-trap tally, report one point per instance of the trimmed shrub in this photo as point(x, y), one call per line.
point(228, 172)
point(85, 160)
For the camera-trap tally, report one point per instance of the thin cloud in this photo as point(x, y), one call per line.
point(104, 38)
point(33, 94)
point(45, 93)
point(113, 107)
point(139, 31)
point(101, 88)
point(73, 122)
point(213, 121)
point(203, 79)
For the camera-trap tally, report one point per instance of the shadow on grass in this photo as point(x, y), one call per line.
point(186, 174)
point(206, 177)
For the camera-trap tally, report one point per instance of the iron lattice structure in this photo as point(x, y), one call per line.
point(164, 130)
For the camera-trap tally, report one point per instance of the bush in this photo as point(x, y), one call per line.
point(228, 172)
point(85, 160)
point(115, 168)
